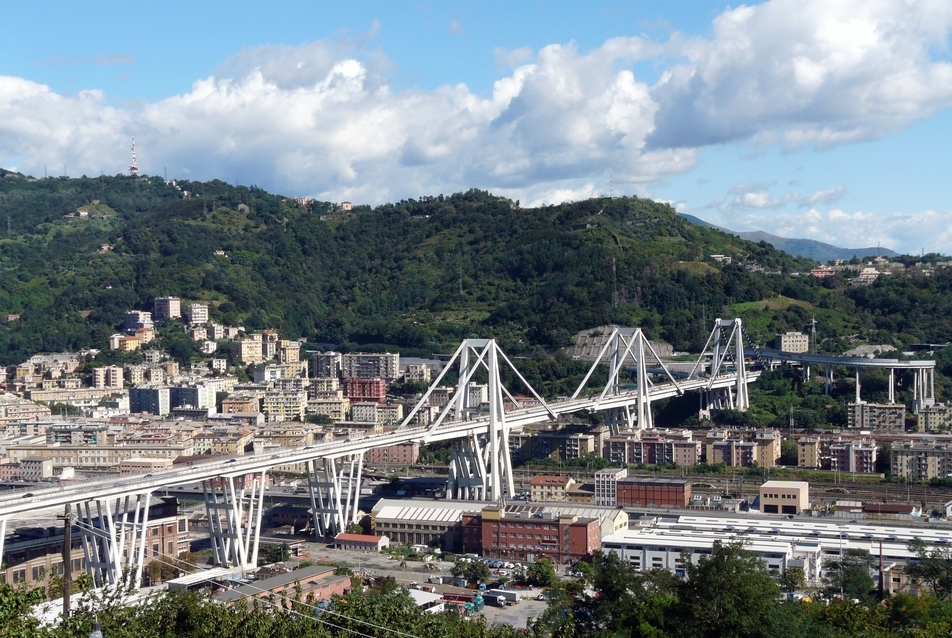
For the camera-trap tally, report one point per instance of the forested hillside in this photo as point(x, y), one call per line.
point(413, 275)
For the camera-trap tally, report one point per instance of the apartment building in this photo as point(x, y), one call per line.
point(921, 460)
point(137, 319)
point(654, 446)
point(196, 396)
point(197, 313)
point(288, 351)
point(550, 488)
point(98, 456)
point(13, 408)
point(249, 349)
point(326, 365)
point(808, 452)
point(281, 405)
point(336, 409)
point(857, 455)
point(792, 342)
point(362, 365)
point(164, 308)
point(365, 389)
point(107, 377)
point(935, 419)
point(242, 403)
point(402, 454)
point(324, 388)
point(887, 417)
point(151, 399)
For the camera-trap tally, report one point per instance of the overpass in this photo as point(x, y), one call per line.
point(923, 370)
point(113, 514)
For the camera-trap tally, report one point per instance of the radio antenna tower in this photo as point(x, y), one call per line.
point(133, 167)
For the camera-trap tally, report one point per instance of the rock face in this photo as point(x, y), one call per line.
point(869, 350)
point(588, 343)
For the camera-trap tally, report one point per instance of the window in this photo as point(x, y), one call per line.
point(56, 569)
point(39, 572)
point(155, 549)
point(19, 575)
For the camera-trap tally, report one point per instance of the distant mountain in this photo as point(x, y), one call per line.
point(808, 248)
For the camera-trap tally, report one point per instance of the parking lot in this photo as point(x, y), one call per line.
point(382, 565)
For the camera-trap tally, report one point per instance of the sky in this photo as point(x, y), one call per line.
point(802, 118)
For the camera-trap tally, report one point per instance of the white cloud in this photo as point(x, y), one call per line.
point(826, 196)
point(317, 120)
point(322, 119)
point(807, 72)
point(751, 195)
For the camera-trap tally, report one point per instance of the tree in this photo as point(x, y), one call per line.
point(849, 575)
point(473, 571)
point(934, 568)
point(788, 453)
point(277, 553)
point(793, 579)
point(541, 572)
point(728, 593)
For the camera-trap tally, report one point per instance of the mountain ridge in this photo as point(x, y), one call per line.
point(806, 248)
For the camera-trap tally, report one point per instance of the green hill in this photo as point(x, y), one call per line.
point(413, 275)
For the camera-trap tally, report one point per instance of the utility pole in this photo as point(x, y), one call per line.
point(67, 557)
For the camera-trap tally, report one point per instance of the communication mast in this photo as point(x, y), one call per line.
point(133, 167)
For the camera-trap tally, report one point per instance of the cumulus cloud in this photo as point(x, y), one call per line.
point(800, 72)
point(322, 119)
point(826, 196)
point(751, 195)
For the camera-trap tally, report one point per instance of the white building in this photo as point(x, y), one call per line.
point(198, 313)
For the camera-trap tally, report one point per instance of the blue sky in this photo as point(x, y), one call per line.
point(803, 118)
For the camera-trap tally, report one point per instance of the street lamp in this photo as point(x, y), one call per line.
point(97, 630)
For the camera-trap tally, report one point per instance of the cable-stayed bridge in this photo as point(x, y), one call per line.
point(113, 514)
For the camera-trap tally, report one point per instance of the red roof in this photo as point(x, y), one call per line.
point(357, 538)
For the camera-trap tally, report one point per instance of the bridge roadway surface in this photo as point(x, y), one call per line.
point(16, 502)
point(846, 362)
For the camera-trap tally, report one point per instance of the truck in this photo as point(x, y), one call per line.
point(511, 597)
point(495, 600)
